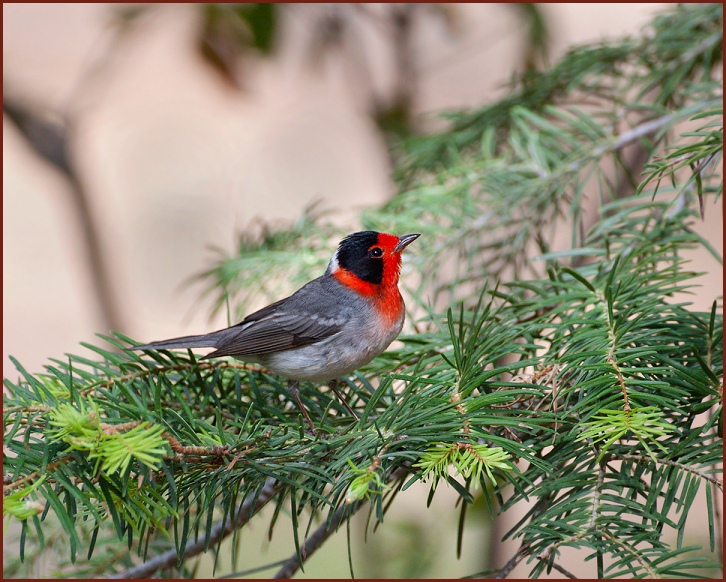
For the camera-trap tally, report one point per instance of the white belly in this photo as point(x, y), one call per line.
point(333, 357)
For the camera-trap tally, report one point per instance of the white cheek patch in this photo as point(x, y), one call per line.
point(333, 265)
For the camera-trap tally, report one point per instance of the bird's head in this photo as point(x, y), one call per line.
point(369, 261)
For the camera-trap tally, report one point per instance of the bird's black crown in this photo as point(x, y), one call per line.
point(354, 256)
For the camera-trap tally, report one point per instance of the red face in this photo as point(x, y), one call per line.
point(370, 261)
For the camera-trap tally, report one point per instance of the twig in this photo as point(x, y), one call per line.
point(511, 564)
point(632, 166)
point(612, 336)
point(181, 450)
point(621, 381)
point(717, 482)
point(7, 487)
point(624, 139)
point(651, 573)
point(596, 496)
point(547, 552)
point(51, 143)
point(313, 543)
point(715, 39)
point(249, 507)
point(161, 369)
point(559, 568)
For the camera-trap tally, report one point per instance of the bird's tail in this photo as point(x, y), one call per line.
point(208, 340)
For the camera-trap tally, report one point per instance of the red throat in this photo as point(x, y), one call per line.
point(385, 297)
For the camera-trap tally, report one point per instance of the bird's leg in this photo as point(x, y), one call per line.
point(334, 387)
point(294, 388)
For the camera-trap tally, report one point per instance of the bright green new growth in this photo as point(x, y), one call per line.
point(579, 380)
point(364, 482)
point(14, 505)
point(470, 461)
point(645, 424)
point(81, 428)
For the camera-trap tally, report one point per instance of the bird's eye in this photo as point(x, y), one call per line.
point(375, 253)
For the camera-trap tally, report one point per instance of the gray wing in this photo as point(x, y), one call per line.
point(310, 315)
point(316, 311)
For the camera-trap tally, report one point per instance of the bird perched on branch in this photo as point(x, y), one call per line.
point(329, 327)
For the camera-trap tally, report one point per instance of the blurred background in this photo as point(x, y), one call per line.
point(140, 140)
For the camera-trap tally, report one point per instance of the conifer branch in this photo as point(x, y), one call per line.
point(512, 563)
point(249, 507)
point(12, 485)
point(325, 530)
point(559, 359)
point(316, 540)
point(645, 459)
point(629, 550)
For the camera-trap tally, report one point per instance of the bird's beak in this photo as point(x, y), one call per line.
point(404, 241)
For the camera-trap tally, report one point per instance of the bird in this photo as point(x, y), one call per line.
point(329, 327)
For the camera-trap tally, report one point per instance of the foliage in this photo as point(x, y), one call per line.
point(577, 379)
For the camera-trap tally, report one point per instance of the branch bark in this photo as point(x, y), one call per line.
point(511, 564)
point(247, 509)
point(50, 142)
point(315, 541)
